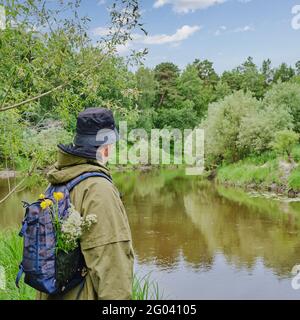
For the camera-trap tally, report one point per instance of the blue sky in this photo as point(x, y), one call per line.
point(223, 31)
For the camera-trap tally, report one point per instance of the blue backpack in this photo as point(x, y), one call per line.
point(45, 270)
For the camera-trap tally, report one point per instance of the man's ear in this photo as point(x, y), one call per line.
point(106, 151)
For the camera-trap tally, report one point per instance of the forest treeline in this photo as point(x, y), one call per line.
point(245, 111)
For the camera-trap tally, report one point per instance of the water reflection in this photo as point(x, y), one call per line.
point(191, 231)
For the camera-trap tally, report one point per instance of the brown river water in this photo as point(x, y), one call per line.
point(201, 241)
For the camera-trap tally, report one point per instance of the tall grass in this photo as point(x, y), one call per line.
point(11, 255)
point(145, 289)
point(247, 172)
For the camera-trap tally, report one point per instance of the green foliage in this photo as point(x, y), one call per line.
point(166, 74)
point(286, 96)
point(258, 128)
point(246, 77)
point(222, 126)
point(184, 118)
point(11, 137)
point(10, 257)
point(284, 73)
point(193, 91)
point(285, 141)
point(206, 72)
point(296, 153)
point(294, 179)
point(41, 144)
point(147, 85)
point(146, 289)
point(246, 172)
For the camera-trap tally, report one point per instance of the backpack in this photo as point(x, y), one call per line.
point(45, 270)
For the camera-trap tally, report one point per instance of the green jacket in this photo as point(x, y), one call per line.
point(107, 246)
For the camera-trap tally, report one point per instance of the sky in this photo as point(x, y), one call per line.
point(225, 32)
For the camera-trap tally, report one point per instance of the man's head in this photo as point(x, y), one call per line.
point(96, 129)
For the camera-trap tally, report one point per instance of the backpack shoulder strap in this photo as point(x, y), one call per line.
point(71, 184)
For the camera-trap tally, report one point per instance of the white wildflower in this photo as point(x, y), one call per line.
point(73, 227)
point(89, 220)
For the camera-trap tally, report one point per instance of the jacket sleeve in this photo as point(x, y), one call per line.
point(107, 246)
point(110, 268)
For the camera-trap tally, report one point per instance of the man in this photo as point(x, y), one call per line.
point(107, 246)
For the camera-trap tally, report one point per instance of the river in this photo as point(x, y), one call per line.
point(199, 240)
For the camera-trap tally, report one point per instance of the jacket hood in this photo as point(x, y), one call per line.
point(70, 166)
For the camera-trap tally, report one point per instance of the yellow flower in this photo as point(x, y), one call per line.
point(58, 196)
point(49, 202)
point(46, 204)
point(42, 196)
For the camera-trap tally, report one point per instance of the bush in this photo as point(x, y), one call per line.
point(286, 96)
point(294, 179)
point(41, 145)
point(285, 141)
point(258, 129)
point(223, 126)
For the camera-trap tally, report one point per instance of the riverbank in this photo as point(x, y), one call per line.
point(11, 255)
point(267, 172)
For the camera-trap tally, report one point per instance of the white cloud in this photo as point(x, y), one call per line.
point(223, 29)
point(181, 34)
point(100, 31)
point(244, 29)
point(185, 6)
point(220, 30)
point(138, 40)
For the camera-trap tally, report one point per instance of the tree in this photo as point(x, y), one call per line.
point(246, 77)
point(258, 128)
point(46, 48)
point(267, 71)
point(51, 70)
point(222, 126)
point(147, 86)
point(298, 68)
point(206, 72)
point(191, 88)
point(251, 78)
point(284, 73)
point(286, 96)
point(285, 141)
point(166, 74)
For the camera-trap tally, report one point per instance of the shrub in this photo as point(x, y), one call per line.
point(223, 126)
point(285, 141)
point(258, 128)
point(286, 96)
point(41, 145)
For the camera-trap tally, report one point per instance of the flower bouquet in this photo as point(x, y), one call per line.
point(68, 232)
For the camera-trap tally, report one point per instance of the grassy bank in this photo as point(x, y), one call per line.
point(11, 255)
point(265, 172)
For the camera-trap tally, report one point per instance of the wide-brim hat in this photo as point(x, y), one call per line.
point(95, 127)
